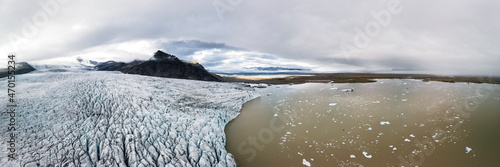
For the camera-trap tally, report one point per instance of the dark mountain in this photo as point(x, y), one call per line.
point(93, 62)
point(161, 65)
point(21, 68)
point(110, 66)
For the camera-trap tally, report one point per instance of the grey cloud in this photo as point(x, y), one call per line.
point(454, 36)
point(185, 48)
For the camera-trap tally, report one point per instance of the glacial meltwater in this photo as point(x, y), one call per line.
point(386, 123)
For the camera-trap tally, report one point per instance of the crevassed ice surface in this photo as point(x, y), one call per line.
point(114, 119)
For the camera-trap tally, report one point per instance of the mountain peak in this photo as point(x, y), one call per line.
point(162, 65)
point(162, 56)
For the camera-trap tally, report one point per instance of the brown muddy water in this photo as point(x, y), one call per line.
point(387, 123)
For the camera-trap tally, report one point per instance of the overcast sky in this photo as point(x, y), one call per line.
point(424, 36)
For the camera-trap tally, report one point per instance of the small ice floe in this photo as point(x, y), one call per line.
point(369, 128)
point(384, 123)
point(347, 90)
point(411, 135)
point(334, 88)
point(366, 154)
point(407, 140)
point(299, 153)
point(467, 149)
point(269, 94)
point(391, 146)
point(375, 102)
point(353, 156)
point(275, 115)
point(404, 99)
point(394, 149)
point(305, 162)
point(332, 104)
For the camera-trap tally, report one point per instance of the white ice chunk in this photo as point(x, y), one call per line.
point(384, 123)
point(366, 154)
point(305, 162)
point(347, 90)
point(467, 149)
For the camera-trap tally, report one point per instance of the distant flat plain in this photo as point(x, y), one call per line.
point(357, 78)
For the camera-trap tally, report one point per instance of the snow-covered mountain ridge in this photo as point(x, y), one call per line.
point(96, 118)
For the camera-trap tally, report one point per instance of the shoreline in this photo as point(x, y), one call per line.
point(360, 78)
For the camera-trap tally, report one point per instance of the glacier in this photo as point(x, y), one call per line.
point(97, 118)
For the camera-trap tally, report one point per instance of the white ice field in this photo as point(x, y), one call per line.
point(90, 118)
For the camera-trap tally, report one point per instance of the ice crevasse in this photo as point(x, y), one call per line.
point(113, 119)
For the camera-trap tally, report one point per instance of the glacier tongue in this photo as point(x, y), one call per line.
point(111, 119)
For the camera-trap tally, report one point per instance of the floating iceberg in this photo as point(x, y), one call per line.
point(305, 162)
point(347, 90)
point(467, 149)
point(366, 154)
point(384, 123)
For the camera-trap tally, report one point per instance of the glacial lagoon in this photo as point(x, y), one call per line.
point(386, 123)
